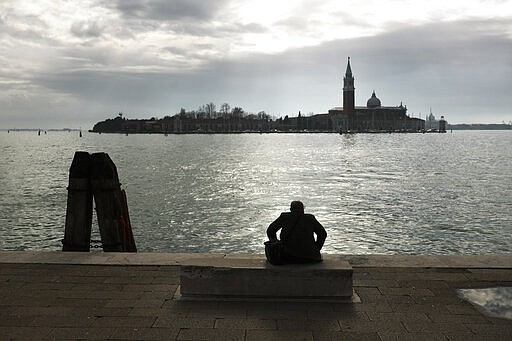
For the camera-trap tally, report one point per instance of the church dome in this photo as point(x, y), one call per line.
point(373, 102)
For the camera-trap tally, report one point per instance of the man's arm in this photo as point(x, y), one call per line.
point(273, 228)
point(321, 234)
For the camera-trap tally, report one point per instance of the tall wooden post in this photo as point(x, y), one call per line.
point(77, 234)
point(111, 206)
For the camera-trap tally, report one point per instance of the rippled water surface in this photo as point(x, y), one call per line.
point(374, 193)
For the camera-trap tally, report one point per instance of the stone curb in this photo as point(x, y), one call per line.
point(491, 261)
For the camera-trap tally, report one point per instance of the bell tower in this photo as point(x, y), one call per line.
point(348, 90)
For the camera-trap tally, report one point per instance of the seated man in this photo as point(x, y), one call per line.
point(297, 235)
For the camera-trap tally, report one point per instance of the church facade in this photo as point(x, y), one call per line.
point(374, 117)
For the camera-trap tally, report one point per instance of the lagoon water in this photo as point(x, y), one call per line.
point(374, 193)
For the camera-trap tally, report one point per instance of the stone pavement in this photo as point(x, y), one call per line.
point(56, 296)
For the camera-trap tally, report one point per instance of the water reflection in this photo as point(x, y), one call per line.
point(491, 301)
point(390, 193)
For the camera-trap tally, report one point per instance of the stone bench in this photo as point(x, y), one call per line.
point(255, 278)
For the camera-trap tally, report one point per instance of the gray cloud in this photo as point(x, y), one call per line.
point(87, 29)
point(461, 69)
point(169, 10)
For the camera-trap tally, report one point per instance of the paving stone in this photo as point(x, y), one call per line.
point(372, 326)
point(491, 329)
point(139, 287)
point(23, 333)
point(378, 307)
point(129, 333)
point(277, 314)
point(133, 303)
point(501, 275)
point(123, 321)
point(338, 315)
point(467, 335)
point(211, 334)
point(436, 318)
point(62, 321)
point(79, 333)
point(462, 309)
point(428, 326)
point(16, 321)
point(160, 295)
point(81, 303)
point(241, 323)
point(184, 322)
point(367, 282)
point(451, 298)
point(443, 276)
point(423, 284)
point(17, 301)
point(413, 316)
point(38, 311)
point(278, 335)
point(423, 308)
point(371, 291)
point(308, 325)
point(391, 336)
point(336, 336)
point(406, 291)
point(305, 306)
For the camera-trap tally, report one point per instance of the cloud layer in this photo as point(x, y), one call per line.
point(62, 65)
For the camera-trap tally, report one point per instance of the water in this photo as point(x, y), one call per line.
point(496, 302)
point(374, 193)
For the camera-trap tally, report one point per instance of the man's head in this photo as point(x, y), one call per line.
point(297, 206)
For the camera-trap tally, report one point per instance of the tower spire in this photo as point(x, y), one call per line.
point(348, 90)
point(348, 72)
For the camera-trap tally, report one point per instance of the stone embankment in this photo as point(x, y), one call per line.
point(54, 295)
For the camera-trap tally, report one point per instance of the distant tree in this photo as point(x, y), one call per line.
point(201, 112)
point(262, 115)
point(237, 112)
point(210, 110)
point(225, 109)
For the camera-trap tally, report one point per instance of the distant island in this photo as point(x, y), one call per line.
point(480, 126)
point(348, 118)
point(236, 121)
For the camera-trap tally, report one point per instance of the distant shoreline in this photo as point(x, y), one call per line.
point(479, 126)
point(37, 129)
point(461, 126)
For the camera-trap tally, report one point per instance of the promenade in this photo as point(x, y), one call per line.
point(118, 296)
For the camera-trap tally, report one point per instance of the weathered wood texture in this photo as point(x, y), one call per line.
point(96, 176)
point(111, 206)
point(77, 234)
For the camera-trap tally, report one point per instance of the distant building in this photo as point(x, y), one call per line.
point(370, 118)
point(374, 117)
point(431, 124)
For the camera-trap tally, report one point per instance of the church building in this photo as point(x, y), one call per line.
point(374, 117)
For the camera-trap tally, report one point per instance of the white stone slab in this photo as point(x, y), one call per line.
point(255, 277)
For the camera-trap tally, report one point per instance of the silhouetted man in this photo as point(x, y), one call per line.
point(298, 235)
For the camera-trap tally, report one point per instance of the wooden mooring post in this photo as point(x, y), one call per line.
point(77, 234)
point(111, 207)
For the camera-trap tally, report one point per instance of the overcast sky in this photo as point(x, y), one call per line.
point(73, 63)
